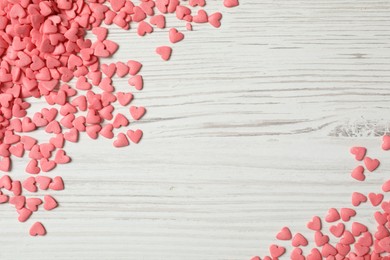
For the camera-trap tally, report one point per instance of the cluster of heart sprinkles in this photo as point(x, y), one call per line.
point(355, 243)
point(45, 54)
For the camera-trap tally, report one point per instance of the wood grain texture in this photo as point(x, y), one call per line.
point(248, 129)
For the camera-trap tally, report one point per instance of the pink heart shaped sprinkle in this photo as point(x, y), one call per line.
point(371, 164)
point(276, 251)
point(57, 183)
point(165, 52)
point(284, 234)
point(124, 98)
point(386, 206)
point(137, 112)
point(358, 229)
point(342, 249)
point(49, 203)
point(358, 198)
point(230, 3)
point(333, 215)
point(366, 239)
point(33, 203)
point(158, 20)
point(347, 238)
point(375, 199)
point(144, 28)
point(299, 240)
point(135, 136)
point(108, 70)
point(360, 249)
point(120, 121)
point(106, 131)
point(121, 141)
point(24, 214)
point(100, 32)
point(137, 81)
point(201, 17)
point(18, 201)
point(337, 230)
point(32, 167)
point(195, 3)
point(315, 224)
point(320, 239)
point(385, 244)
point(358, 173)
point(175, 36)
point(138, 15)
point(29, 184)
point(16, 150)
point(5, 182)
point(359, 152)
point(328, 250)
point(314, 255)
point(386, 142)
point(61, 157)
point(43, 182)
point(134, 67)
point(16, 188)
point(347, 214)
point(37, 229)
point(121, 69)
point(3, 198)
point(215, 19)
point(386, 186)
point(47, 165)
point(5, 164)
point(296, 254)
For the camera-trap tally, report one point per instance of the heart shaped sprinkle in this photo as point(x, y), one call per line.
point(371, 164)
point(284, 234)
point(49, 203)
point(333, 215)
point(137, 112)
point(347, 213)
point(315, 224)
point(37, 229)
point(375, 199)
point(165, 52)
point(337, 230)
point(276, 251)
point(299, 240)
point(121, 141)
point(358, 173)
point(320, 239)
point(386, 142)
point(135, 136)
point(358, 198)
point(175, 36)
point(33, 203)
point(230, 3)
point(359, 152)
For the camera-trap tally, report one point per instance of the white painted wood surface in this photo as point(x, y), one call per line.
point(248, 129)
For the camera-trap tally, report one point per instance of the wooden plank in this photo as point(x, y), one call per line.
point(248, 129)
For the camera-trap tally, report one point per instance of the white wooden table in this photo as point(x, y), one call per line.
point(248, 129)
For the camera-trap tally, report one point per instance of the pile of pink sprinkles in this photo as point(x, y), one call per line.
point(354, 241)
point(44, 54)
